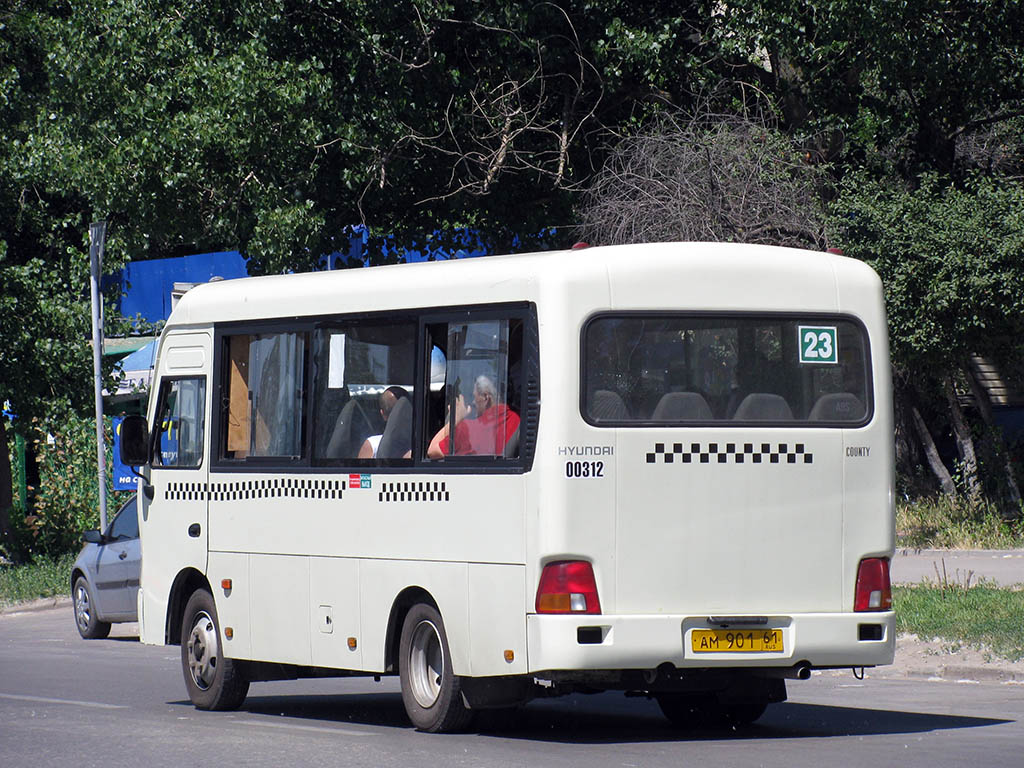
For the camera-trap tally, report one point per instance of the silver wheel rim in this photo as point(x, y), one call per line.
point(83, 609)
point(426, 664)
point(202, 651)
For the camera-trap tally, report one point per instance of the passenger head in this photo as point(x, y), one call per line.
point(485, 394)
point(388, 398)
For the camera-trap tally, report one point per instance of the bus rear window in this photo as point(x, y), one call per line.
point(649, 369)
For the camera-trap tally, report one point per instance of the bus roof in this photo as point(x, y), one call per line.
point(696, 276)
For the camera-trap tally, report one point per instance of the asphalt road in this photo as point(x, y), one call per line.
point(69, 702)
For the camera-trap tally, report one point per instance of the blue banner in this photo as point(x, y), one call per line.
point(124, 480)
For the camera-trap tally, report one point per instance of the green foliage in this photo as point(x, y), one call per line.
point(66, 503)
point(945, 522)
point(896, 81)
point(952, 261)
point(272, 126)
point(982, 616)
point(43, 577)
point(45, 358)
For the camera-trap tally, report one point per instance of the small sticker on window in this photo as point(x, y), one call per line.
point(336, 362)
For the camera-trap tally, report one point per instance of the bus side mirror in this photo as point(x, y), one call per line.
point(134, 441)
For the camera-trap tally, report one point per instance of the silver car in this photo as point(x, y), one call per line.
point(105, 577)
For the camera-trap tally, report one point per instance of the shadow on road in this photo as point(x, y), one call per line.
point(611, 719)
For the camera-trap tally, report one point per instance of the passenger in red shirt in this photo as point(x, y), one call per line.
point(484, 435)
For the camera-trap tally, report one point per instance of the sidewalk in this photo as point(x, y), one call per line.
point(955, 567)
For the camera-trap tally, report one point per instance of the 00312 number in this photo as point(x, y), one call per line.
point(584, 469)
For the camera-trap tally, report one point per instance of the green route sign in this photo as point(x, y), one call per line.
point(819, 344)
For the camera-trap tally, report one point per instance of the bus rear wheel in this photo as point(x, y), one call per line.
point(431, 692)
point(213, 681)
point(710, 710)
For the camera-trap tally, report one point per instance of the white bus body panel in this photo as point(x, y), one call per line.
point(164, 522)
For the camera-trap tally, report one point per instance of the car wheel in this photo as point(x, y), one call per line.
point(88, 623)
point(213, 681)
point(431, 692)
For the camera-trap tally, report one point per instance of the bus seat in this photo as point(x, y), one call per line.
point(682, 406)
point(350, 431)
point(397, 438)
point(606, 405)
point(763, 406)
point(512, 445)
point(837, 406)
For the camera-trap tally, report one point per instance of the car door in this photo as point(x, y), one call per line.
point(117, 566)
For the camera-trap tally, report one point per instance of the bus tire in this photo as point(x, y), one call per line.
point(710, 710)
point(213, 681)
point(685, 710)
point(745, 710)
point(88, 623)
point(431, 692)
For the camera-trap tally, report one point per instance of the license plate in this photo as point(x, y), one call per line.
point(736, 641)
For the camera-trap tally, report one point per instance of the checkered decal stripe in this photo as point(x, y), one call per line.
point(725, 453)
point(294, 488)
point(436, 491)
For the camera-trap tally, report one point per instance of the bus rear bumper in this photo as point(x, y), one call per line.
point(599, 642)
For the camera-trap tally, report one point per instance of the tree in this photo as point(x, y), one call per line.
point(272, 126)
point(952, 261)
point(726, 177)
point(897, 84)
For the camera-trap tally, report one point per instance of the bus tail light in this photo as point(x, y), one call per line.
point(874, 590)
point(568, 586)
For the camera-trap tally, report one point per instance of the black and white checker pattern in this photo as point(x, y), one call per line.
point(414, 491)
point(734, 453)
point(294, 488)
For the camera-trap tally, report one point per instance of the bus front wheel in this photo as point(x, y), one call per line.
point(213, 681)
point(431, 692)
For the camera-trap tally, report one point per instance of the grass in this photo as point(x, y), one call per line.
point(945, 523)
point(982, 616)
point(44, 577)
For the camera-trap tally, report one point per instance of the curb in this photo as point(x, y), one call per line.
point(953, 673)
point(41, 604)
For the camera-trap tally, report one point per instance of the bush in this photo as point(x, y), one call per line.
point(944, 522)
point(66, 503)
point(45, 577)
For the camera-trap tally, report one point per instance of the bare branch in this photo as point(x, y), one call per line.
point(727, 177)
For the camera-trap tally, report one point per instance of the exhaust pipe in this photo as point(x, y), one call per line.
point(799, 671)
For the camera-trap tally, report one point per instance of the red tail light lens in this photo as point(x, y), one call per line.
point(568, 586)
point(874, 591)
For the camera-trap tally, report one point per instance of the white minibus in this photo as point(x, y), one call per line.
point(662, 469)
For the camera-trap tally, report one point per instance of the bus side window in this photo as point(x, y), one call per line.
point(263, 408)
point(182, 421)
point(482, 389)
point(363, 391)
